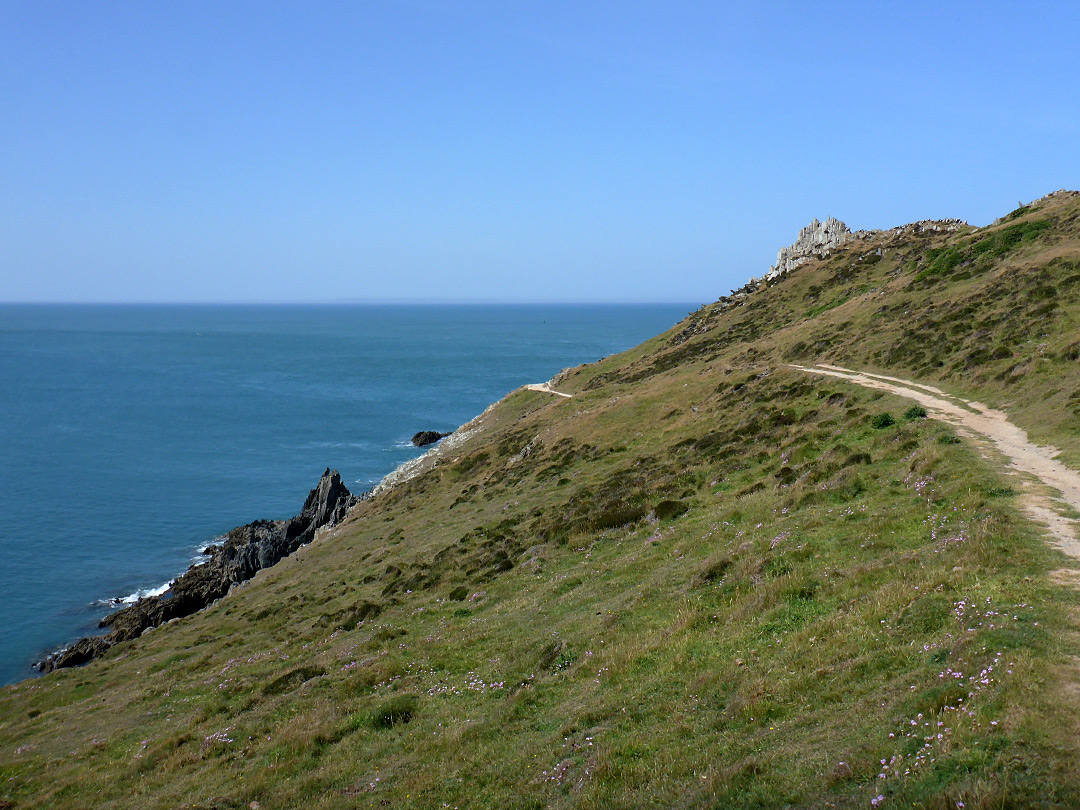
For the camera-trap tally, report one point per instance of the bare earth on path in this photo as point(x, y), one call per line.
point(1012, 441)
point(546, 388)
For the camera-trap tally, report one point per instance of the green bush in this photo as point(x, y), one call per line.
point(915, 412)
point(942, 261)
point(1000, 243)
point(882, 420)
point(398, 709)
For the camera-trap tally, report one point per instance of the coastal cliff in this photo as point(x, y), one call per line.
point(245, 551)
point(739, 566)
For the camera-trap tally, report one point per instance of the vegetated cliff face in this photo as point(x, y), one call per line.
point(690, 584)
point(246, 550)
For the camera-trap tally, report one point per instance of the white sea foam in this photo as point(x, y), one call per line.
point(132, 598)
point(143, 592)
point(200, 557)
point(202, 553)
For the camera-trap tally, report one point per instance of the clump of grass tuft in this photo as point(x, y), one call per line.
point(915, 412)
point(670, 509)
point(398, 709)
point(292, 679)
point(714, 568)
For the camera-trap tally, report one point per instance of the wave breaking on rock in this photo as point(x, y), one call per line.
point(244, 552)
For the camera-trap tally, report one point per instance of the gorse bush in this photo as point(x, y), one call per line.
point(915, 412)
point(882, 420)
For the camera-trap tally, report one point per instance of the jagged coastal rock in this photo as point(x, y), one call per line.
point(245, 551)
point(426, 437)
point(815, 240)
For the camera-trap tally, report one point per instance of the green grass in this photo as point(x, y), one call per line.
point(942, 261)
point(710, 581)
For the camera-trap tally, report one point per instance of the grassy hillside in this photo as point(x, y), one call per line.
point(706, 580)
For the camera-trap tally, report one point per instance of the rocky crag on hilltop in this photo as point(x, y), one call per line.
point(815, 241)
point(818, 239)
point(246, 551)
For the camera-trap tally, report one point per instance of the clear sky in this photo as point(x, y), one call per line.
point(506, 151)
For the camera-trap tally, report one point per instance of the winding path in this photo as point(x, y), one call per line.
point(977, 418)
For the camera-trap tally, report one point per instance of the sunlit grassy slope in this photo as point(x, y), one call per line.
point(706, 580)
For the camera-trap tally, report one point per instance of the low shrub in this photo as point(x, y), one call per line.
point(915, 412)
point(882, 420)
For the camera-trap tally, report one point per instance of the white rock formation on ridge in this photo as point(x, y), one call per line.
point(815, 240)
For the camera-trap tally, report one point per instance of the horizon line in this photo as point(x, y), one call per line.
point(351, 302)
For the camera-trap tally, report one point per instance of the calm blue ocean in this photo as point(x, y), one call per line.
point(132, 436)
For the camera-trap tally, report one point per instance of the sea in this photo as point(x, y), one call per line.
point(132, 437)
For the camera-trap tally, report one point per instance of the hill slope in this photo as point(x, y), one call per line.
point(703, 579)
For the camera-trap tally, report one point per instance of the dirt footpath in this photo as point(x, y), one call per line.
point(545, 388)
point(1012, 441)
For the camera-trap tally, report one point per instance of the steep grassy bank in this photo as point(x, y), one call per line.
point(706, 580)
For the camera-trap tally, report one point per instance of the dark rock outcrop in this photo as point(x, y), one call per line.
point(426, 437)
point(246, 551)
point(78, 653)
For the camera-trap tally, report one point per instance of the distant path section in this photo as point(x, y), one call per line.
point(545, 388)
point(993, 424)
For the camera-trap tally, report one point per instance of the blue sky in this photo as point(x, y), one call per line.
point(446, 151)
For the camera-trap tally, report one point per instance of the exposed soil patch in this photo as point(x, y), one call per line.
point(545, 388)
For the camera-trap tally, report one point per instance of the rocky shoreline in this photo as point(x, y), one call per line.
point(248, 549)
point(245, 551)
